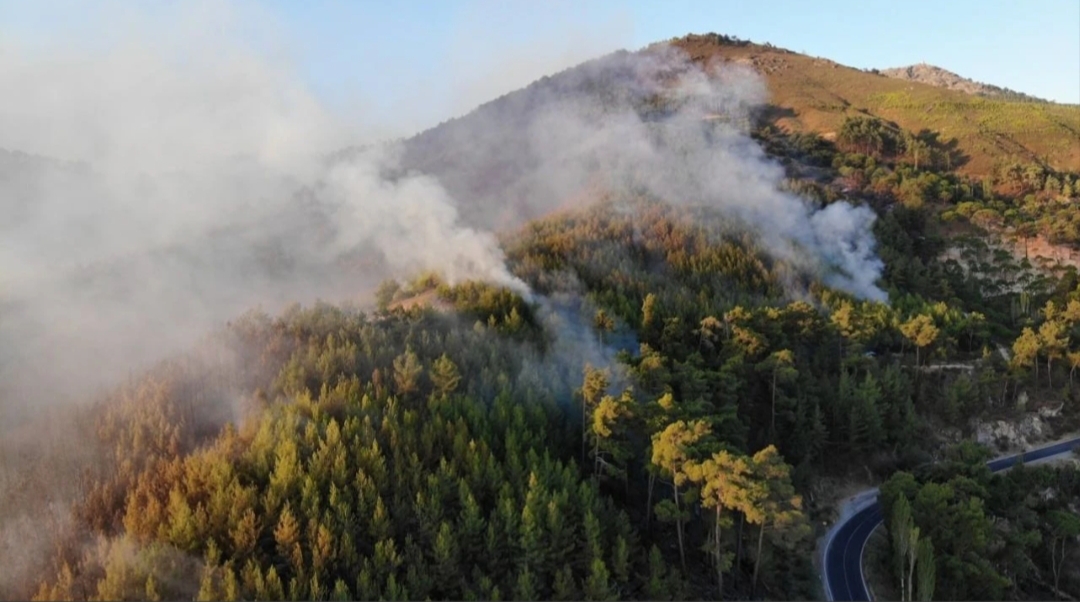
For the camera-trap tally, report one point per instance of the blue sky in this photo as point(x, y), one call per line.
point(416, 63)
point(395, 49)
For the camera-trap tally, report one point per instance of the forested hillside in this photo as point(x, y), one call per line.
point(815, 94)
point(490, 159)
point(978, 535)
point(663, 402)
point(414, 453)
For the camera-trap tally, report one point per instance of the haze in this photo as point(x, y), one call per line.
point(175, 180)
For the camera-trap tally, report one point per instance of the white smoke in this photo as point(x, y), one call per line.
point(169, 176)
point(411, 220)
point(151, 187)
point(157, 182)
point(698, 153)
point(655, 123)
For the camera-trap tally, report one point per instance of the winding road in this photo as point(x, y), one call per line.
point(842, 573)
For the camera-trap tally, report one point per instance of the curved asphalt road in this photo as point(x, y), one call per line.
point(843, 575)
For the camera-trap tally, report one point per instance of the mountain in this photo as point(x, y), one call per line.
point(943, 78)
point(478, 154)
point(660, 384)
point(811, 94)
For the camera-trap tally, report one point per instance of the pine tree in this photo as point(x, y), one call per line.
point(445, 376)
point(670, 453)
point(296, 589)
point(610, 448)
point(151, 591)
point(526, 587)
point(208, 581)
point(379, 528)
point(341, 592)
point(183, 532)
point(394, 590)
point(565, 587)
point(592, 390)
point(726, 483)
point(779, 366)
point(603, 323)
point(773, 499)
point(386, 561)
point(593, 547)
point(620, 560)
point(315, 589)
point(245, 534)
point(598, 584)
point(275, 590)
point(287, 536)
point(366, 587)
point(489, 590)
point(407, 373)
point(866, 425)
point(648, 313)
point(471, 525)
point(323, 545)
point(446, 567)
point(656, 585)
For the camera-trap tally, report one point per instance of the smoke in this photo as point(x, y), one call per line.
point(650, 123)
point(156, 186)
point(156, 183)
point(411, 220)
point(161, 180)
point(178, 175)
point(490, 66)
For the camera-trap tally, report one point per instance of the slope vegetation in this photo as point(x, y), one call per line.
point(814, 94)
point(467, 442)
point(489, 159)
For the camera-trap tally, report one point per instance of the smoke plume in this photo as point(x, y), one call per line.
point(652, 123)
point(157, 184)
point(155, 187)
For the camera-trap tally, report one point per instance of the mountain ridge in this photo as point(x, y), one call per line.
point(470, 154)
point(943, 78)
point(813, 94)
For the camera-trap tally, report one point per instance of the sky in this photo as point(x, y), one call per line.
point(399, 67)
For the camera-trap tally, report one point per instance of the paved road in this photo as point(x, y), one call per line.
point(843, 575)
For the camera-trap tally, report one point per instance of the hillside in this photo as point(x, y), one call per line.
point(815, 94)
point(943, 78)
point(492, 158)
point(640, 336)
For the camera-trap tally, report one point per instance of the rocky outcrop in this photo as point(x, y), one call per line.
point(1048, 412)
point(942, 78)
point(1005, 435)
